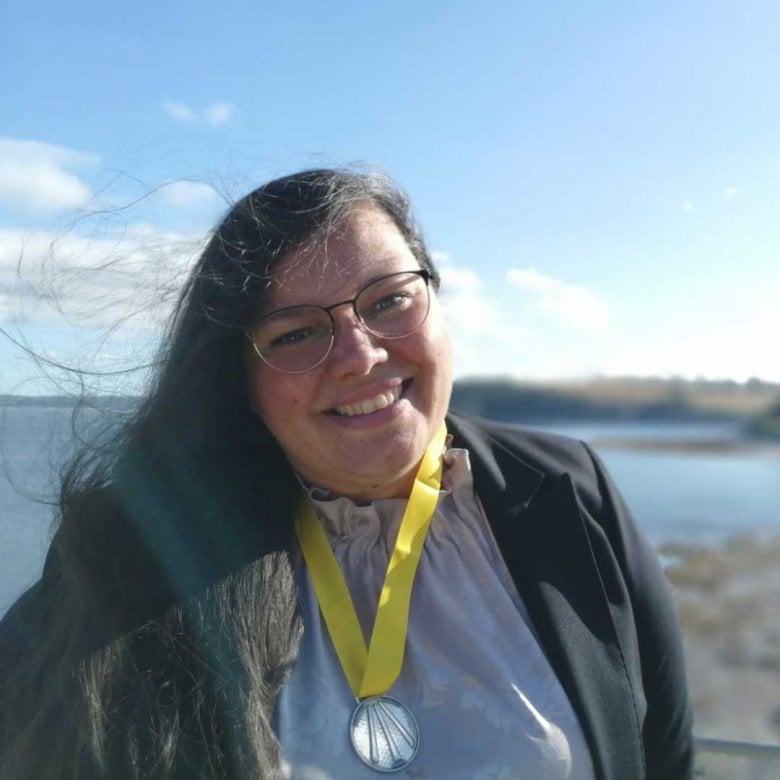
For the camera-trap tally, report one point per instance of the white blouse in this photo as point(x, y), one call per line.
point(487, 702)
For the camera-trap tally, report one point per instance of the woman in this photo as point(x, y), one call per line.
point(280, 569)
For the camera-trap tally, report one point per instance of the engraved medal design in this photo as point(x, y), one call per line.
point(384, 733)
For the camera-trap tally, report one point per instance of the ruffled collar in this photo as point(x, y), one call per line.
point(342, 518)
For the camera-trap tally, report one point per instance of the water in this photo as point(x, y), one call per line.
point(677, 495)
point(34, 443)
point(694, 496)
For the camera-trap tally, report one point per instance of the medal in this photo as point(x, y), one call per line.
point(383, 731)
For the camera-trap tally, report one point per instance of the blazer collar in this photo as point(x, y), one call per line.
point(491, 463)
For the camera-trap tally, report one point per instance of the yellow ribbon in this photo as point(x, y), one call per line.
point(372, 672)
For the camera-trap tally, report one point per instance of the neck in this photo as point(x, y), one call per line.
point(364, 493)
point(363, 489)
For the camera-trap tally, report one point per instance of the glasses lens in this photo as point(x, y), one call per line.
point(395, 306)
point(294, 340)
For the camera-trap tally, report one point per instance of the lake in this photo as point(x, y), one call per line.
point(695, 496)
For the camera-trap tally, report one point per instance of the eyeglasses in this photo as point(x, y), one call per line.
point(298, 338)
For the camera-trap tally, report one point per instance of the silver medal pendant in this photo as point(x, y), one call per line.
point(384, 733)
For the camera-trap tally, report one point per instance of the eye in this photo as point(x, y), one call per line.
point(292, 329)
point(387, 304)
point(392, 297)
point(298, 337)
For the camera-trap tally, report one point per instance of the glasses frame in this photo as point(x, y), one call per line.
point(423, 273)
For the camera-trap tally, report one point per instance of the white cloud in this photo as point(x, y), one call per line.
point(687, 205)
point(95, 304)
point(466, 306)
point(567, 303)
point(693, 357)
point(731, 192)
point(471, 313)
point(36, 176)
point(480, 328)
point(214, 115)
point(440, 258)
point(188, 194)
point(179, 111)
point(219, 114)
point(492, 335)
point(129, 280)
point(458, 279)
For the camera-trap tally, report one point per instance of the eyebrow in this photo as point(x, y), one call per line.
point(263, 313)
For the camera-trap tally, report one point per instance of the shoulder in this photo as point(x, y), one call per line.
point(572, 492)
point(75, 574)
point(560, 478)
point(549, 454)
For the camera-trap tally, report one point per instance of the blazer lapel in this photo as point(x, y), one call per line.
point(542, 536)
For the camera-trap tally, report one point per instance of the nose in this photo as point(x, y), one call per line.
point(355, 351)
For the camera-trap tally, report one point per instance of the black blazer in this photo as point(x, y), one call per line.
point(595, 593)
point(590, 581)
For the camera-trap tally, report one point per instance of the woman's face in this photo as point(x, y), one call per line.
point(364, 456)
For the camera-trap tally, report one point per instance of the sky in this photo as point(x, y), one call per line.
point(599, 182)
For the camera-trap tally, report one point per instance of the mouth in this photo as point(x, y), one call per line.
point(370, 405)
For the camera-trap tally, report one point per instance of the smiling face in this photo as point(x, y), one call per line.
point(358, 423)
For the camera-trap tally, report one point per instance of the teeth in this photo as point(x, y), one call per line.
point(371, 405)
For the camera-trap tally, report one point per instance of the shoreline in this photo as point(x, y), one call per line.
point(728, 602)
point(746, 446)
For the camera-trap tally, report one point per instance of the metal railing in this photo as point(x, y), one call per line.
point(718, 759)
point(734, 748)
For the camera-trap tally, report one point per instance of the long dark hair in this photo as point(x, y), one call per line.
point(165, 622)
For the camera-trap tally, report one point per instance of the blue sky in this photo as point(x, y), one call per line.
point(600, 182)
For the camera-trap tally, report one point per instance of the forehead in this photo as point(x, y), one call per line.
point(365, 246)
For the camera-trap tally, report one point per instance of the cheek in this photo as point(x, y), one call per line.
point(437, 354)
point(278, 401)
point(440, 369)
point(264, 395)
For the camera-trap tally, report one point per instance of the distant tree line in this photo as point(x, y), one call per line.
point(768, 425)
point(508, 400)
point(119, 402)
